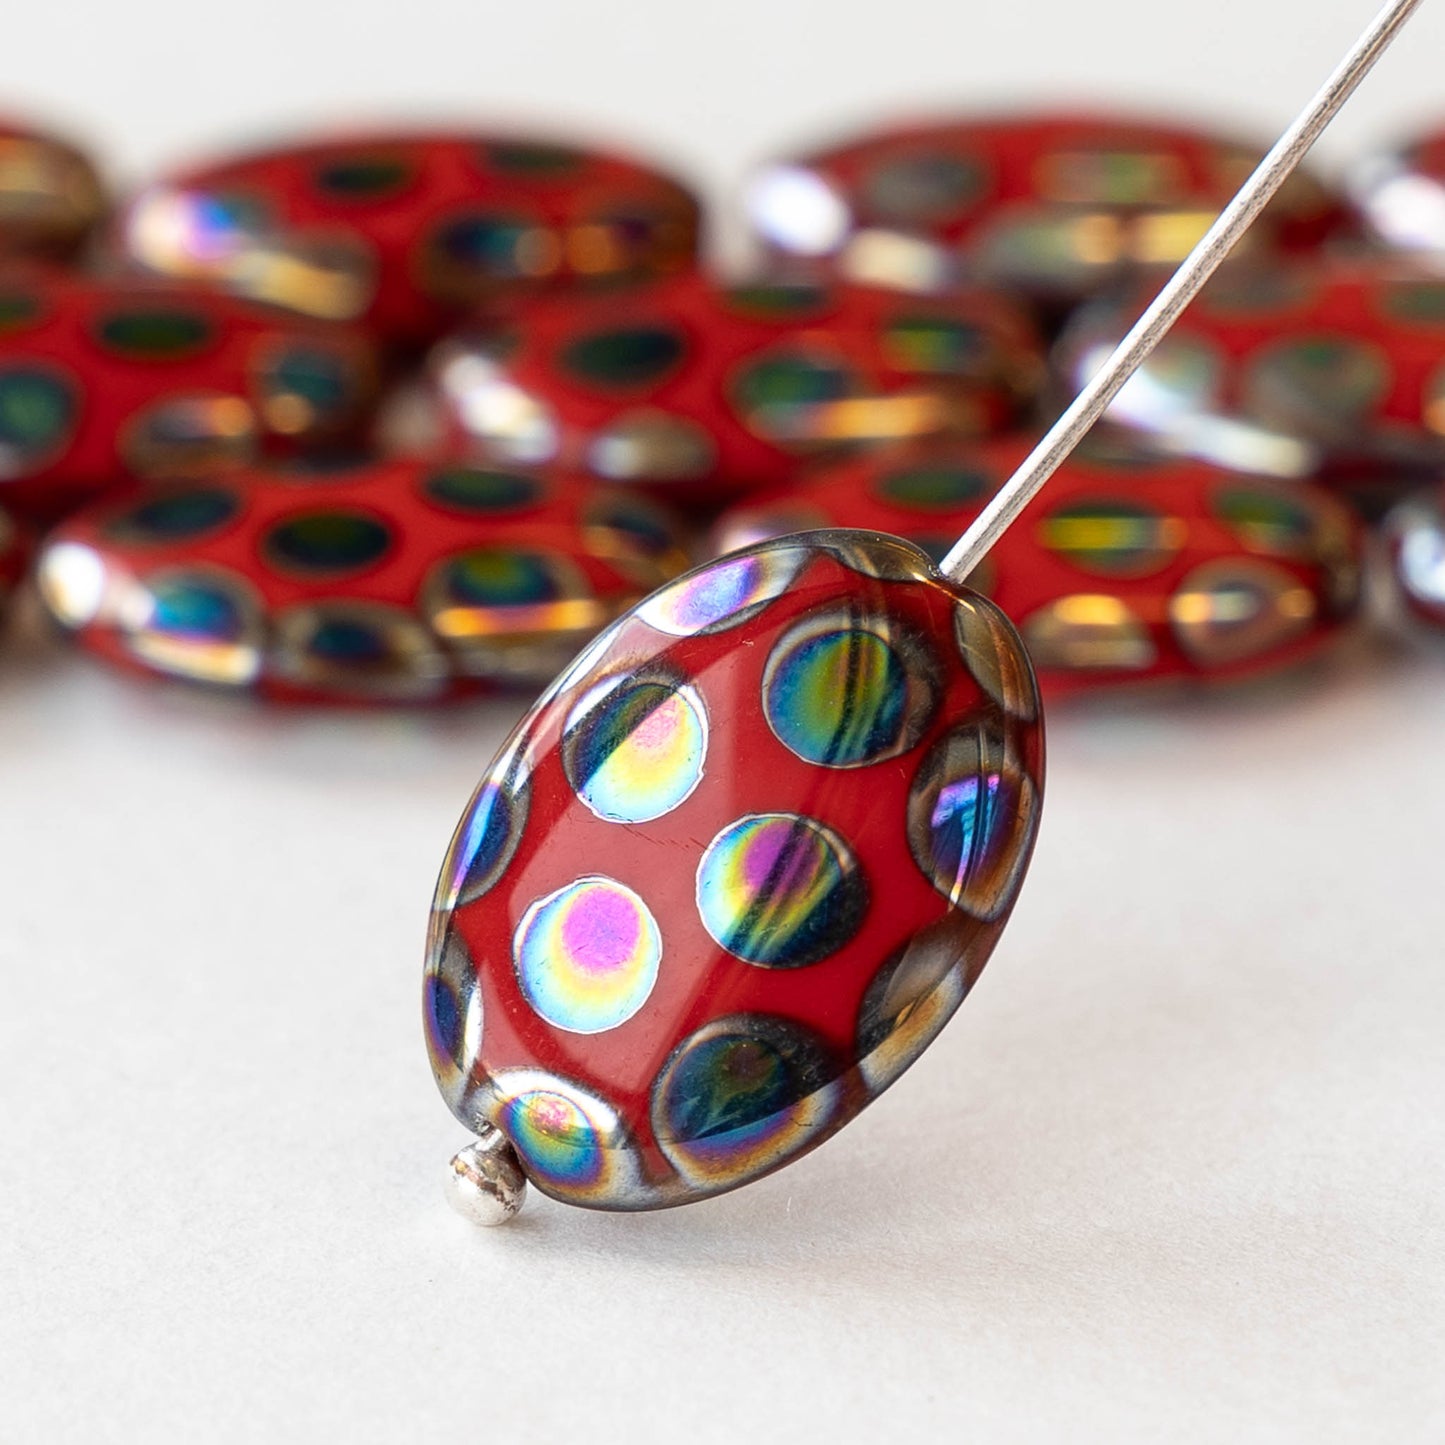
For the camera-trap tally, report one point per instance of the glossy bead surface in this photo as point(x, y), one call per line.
point(707, 391)
point(1118, 572)
point(734, 871)
point(1059, 205)
point(104, 382)
point(1415, 531)
point(1330, 371)
point(402, 580)
point(51, 196)
point(406, 232)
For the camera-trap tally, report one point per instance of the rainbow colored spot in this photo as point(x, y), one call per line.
point(587, 956)
point(639, 752)
point(558, 1143)
point(779, 890)
point(723, 594)
point(838, 698)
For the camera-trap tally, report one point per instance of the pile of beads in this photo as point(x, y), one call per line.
point(200, 389)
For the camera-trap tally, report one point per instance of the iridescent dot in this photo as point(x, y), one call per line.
point(652, 446)
point(327, 543)
point(634, 749)
point(910, 999)
point(452, 1018)
point(38, 413)
point(780, 300)
point(501, 577)
point(1234, 610)
point(534, 160)
point(571, 1142)
point(1418, 301)
point(779, 395)
point(972, 814)
point(199, 625)
point(1110, 177)
point(363, 177)
point(181, 515)
point(482, 489)
point(842, 694)
point(304, 387)
point(725, 593)
point(1113, 538)
point(587, 955)
point(189, 436)
point(625, 357)
point(360, 649)
point(995, 656)
point(741, 1096)
point(935, 488)
point(1089, 632)
point(18, 310)
point(487, 837)
point(1270, 521)
point(490, 247)
point(936, 345)
point(1317, 382)
point(926, 187)
point(155, 333)
point(780, 890)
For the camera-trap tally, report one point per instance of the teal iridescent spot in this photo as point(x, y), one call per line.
point(38, 411)
point(18, 309)
point(479, 489)
point(500, 577)
point(780, 890)
point(587, 956)
point(935, 488)
point(624, 357)
point(178, 516)
point(740, 1096)
point(155, 333)
point(781, 300)
point(317, 377)
point(362, 177)
point(925, 186)
point(935, 345)
point(838, 698)
point(486, 244)
point(326, 543)
point(777, 392)
point(193, 610)
point(638, 752)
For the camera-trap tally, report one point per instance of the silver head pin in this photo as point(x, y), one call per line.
point(1201, 263)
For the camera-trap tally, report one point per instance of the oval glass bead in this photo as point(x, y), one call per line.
point(406, 232)
point(1057, 205)
point(1331, 372)
point(676, 993)
point(398, 580)
point(1122, 570)
point(705, 392)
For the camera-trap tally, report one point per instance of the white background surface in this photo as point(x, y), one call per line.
point(1176, 1171)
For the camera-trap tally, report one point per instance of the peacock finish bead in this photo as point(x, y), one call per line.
point(391, 581)
point(1057, 205)
point(407, 232)
point(705, 391)
point(104, 382)
point(734, 871)
point(1120, 572)
point(51, 196)
point(1328, 370)
point(1415, 535)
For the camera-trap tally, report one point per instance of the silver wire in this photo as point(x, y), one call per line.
point(1198, 267)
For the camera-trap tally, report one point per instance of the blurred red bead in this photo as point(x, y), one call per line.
point(104, 381)
point(1402, 196)
point(407, 232)
point(1057, 205)
point(1330, 370)
point(704, 391)
point(397, 580)
point(1119, 572)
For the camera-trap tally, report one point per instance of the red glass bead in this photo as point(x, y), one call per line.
point(1119, 572)
point(1059, 205)
point(389, 581)
point(1328, 370)
point(1415, 532)
point(105, 381)
point(51, 196)
point(708, 391)
point(408, 232)
point(734, 871)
